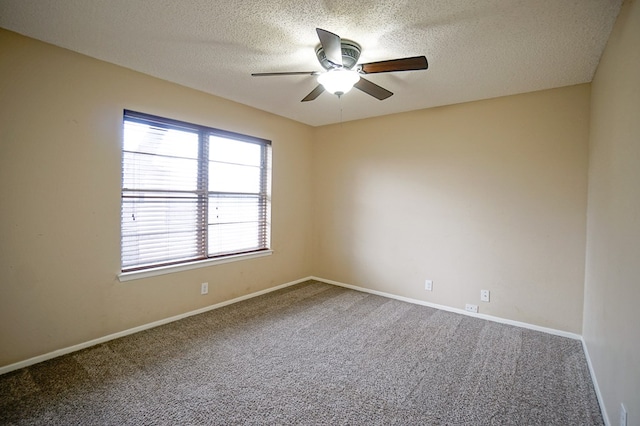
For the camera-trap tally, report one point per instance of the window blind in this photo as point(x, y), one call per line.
point(190, 192)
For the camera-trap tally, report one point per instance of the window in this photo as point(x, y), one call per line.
point(190, 193)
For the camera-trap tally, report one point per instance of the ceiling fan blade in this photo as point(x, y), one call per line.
point(372, 89)
point(405, 64)
point(269, 74)
point(314, 93)
point(332, 46)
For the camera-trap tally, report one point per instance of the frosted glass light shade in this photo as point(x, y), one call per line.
point(338, 81)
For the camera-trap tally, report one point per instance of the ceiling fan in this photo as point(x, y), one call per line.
point(340, 60)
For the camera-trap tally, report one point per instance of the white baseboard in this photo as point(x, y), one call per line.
point(74, 348)
point(456, 310)
point(603, 409)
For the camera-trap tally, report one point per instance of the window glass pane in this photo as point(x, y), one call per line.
point(156, 230)
point(159, 159)
point(234, 151)
point(235, 224)
point(233, 238)
point(139, 137)
point(224, 177)
point(234, 209)
point(154, 172)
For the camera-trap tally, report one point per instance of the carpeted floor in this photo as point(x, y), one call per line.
point(312, 354)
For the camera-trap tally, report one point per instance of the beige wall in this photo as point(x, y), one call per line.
point(612, 289)
point(60, 139)
point(485, 195)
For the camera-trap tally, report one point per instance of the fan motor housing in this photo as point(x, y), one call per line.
point(350, 55)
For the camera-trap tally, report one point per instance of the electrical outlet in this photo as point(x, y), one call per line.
point(623, 415)
point(471, 308)
point(204, 288)
point(484, 295)
point(428, 285)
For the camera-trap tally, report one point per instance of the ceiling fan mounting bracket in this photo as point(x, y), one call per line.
point(350, 55)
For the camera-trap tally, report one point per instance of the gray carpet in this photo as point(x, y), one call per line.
point(312, 354)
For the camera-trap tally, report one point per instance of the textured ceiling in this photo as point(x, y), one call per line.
point(476, 49)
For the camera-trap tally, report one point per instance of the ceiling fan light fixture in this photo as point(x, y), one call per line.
point(338, 81)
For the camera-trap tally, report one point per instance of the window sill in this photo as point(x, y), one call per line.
point(163, 270)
